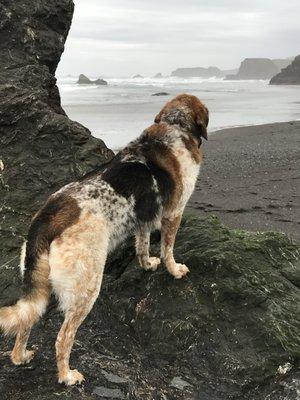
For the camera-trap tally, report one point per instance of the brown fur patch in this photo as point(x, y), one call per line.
point(192, 146)
point(197, 116)
point(162, 156)
point(157, 131)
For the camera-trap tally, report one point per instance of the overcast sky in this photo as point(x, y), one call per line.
point(126, 37)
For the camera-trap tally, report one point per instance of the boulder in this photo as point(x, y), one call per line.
point(229, 330)
point(40, 147)
point(255, 68)
point(289, 75)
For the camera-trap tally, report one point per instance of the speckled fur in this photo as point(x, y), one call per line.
point(146, 186)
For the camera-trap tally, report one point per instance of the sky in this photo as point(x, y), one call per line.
point(117, 38)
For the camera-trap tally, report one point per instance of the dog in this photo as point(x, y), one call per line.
point(144, 187)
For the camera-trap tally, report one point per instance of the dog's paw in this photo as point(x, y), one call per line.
point(152, 263)
point(23, 358)
point(178, 270)
point(72, 377)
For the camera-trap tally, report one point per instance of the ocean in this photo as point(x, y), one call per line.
point(119, 112)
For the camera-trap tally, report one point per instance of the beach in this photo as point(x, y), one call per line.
point(250, 178)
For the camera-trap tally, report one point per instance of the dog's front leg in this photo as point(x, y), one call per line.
point(142, 244)
point(169, 228)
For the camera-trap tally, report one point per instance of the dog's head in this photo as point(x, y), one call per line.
point(188, 112)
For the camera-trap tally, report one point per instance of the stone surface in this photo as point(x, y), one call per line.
point(108, 393)
point(225, 329)
point(289, 75)
point(40, 147)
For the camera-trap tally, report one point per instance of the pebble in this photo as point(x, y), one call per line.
point(108, 393)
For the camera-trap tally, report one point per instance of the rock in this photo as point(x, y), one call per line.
point(158, 75)
point(100, 81)
point(282, 62)
point(255, 68)
point(108, 393)
point(289, 75)
point(197, 72)
point(160, 94)
point(113, 378)
point(84, 80)
point(179, 383)
point(137, 76)
point(228, 329)
point(40, 147)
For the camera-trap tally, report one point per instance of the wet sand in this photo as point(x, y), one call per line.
point(250, 178)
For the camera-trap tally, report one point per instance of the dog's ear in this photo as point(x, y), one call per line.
point(201, 128)
point(157, 119)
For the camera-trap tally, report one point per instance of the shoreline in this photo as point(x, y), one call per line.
point(249, 178)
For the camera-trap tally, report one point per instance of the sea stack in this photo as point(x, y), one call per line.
point(289, 75)
point(84, 80)
point(255, 68)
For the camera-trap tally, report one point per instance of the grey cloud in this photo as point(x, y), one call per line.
point(160, 34)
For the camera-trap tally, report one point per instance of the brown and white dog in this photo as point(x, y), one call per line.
point(145, 186)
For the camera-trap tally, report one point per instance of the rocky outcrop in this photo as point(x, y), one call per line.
point(158, 75)
point(137, 76)
point(230, 330)
point(197, 72)
point(84, 80)
point(289, 75)
point(40, 147)
point(255, 68)
point(282, 62)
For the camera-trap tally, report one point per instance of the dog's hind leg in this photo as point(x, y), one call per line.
point(77, 262)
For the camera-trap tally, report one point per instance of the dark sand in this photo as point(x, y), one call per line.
point(250, 178)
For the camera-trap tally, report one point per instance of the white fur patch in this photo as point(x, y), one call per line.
point(22, 258)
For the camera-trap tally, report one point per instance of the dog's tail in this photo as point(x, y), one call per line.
point(37, 289)
point(58, 213)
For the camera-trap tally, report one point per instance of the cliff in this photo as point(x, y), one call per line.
point(197, 72)
point(40, 147)
point(230, 330)
point(255, 68)
point(289, 75)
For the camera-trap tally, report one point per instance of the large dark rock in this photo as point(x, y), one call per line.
point(255, 68)
point(197, 72)
point(289, 75)
point(230, 330)
point(40, 147)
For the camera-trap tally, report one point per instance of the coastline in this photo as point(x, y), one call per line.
point(250, 176)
